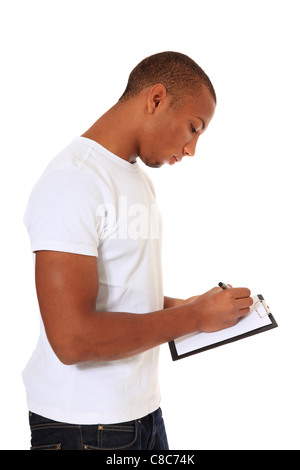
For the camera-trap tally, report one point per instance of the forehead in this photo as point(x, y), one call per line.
point(201, 105)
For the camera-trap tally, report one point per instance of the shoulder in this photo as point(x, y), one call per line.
point(70, 175)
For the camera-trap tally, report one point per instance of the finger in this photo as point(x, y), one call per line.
point(244, 303)
point(241, 292)
point(243, 312)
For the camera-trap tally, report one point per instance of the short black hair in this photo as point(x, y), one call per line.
point(180, 74)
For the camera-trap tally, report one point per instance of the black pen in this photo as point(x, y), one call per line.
point(223, 286)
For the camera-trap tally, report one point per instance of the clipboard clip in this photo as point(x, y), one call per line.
point(266, 308)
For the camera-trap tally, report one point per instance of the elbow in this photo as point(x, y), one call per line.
point(72, 349)
point(66, 356)
point(67, 360)
point(69, 345)
point(66, 351)
point(72, 356)
point(71, 352)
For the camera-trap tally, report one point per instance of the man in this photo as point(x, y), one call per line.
point(92, 382)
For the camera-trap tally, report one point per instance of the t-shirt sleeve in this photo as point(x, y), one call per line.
point(61, 214)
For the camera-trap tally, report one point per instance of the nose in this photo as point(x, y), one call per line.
point(187, 152)
point(190, 148)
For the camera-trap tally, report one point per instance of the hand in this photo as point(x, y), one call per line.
point(218, 309)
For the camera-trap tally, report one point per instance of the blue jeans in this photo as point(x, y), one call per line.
point(147, 433)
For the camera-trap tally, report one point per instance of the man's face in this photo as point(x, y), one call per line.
point(172, 133)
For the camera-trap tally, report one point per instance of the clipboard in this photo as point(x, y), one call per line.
point(258, 320)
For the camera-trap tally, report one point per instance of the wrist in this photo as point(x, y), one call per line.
point(170, 302)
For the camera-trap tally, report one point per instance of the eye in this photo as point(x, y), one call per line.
point(193, 129)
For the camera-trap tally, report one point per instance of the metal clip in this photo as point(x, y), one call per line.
point(264, 304)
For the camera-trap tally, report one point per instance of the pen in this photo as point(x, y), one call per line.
point(223, 286)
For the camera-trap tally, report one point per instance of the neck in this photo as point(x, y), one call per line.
point(116, 130)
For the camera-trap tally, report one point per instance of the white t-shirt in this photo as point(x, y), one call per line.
point(91, 202)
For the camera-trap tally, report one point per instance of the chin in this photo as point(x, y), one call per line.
point(151, 163)
point(154, 164)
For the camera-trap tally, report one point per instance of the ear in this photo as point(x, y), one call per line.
point(157, 97)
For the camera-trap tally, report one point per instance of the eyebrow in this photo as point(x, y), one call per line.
point(203, 122)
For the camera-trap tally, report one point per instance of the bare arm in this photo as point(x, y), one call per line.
point(170, 302)
point(67, 287)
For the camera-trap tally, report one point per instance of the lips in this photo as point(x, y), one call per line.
point(175, 160)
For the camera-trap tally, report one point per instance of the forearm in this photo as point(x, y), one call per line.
point(112, 336)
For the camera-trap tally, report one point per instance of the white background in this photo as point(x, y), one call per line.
point(230, 214)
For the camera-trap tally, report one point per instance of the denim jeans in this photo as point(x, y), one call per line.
point(147, 433)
